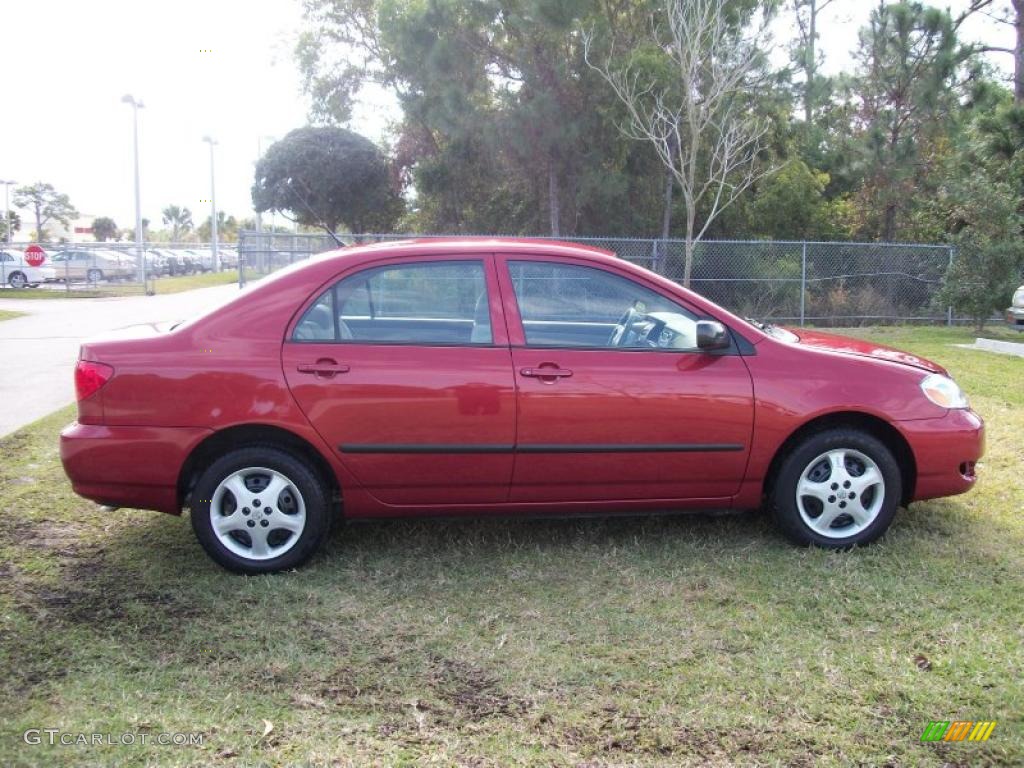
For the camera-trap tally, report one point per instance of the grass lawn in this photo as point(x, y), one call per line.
point(684, 640)
point(113, 289)
point(188, 282)
point(7, 314)
point(161, 285)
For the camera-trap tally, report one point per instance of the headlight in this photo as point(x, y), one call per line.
point(943, 391)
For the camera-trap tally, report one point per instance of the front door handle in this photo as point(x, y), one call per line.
point(325, 367)
point(545, 373)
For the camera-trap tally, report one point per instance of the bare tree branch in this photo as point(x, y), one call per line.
point(700, 123)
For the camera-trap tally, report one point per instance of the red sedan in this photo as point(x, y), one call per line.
point(502, 376)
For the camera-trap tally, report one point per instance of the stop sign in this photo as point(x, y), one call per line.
point(34, 255)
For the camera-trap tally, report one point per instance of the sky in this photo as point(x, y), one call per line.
point(223, 68)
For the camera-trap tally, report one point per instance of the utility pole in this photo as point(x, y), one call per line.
point(213, 205)
point(136, 105)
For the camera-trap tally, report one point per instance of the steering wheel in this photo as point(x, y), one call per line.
point(620, 333)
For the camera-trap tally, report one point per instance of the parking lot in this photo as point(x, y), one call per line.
point(40, 348)
point(107, 267)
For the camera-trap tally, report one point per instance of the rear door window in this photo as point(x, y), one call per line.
point(443, 302)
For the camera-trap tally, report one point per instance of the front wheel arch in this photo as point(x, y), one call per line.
point(230, 438)
point(873, 425)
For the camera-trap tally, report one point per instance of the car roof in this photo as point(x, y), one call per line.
point(472, 245)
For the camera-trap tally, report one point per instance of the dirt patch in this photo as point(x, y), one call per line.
point(61, 538)
point(471, 692)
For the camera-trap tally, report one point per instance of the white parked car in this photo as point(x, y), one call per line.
point(1015, 312)
point(15, 272)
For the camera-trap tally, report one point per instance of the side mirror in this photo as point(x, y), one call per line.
point(712, 335)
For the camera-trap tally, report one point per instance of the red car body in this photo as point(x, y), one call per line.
point(454, 429)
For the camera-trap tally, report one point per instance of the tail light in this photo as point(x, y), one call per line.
point(89, 377)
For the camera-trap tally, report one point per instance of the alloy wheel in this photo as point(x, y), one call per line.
point(840, 493)
point(257, 513)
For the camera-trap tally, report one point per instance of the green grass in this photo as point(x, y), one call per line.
point(160, 284)
point(76, 293)
point(189, 282)
point(7, 314)
point(683, 640)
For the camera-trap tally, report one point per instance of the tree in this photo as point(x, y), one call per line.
point(698, 119)
point(505, 128)
point(47, 204)
point(327, 176)
point(906, 93)
point(104, 228)
point(227, 229)
point(129, 234)
point(989, 257)
point(15, 226)
point(791, 205)
point(805, 52)
point(179, 219)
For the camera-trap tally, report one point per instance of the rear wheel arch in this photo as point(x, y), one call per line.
point(230, 438)
point(866, 422)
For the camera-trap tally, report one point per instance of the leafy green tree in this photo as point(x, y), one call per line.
point(179, 219)
point(807, 57)
point(227, 229)
point(46, 204)
point(15, 225)
point(906, 88)
point(989, 253)
point(327, 176)
point(791, 205)
point(104, 228)
point(129, 234)
point(505, 129)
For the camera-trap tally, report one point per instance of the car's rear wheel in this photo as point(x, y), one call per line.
point(94, 275)
point(836, 489)
point(260, 509)
point(17, 280)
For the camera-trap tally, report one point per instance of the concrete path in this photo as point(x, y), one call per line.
point(38, 351)
point(993, 345)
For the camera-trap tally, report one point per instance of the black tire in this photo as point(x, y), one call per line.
point(783, 497)
point(94, 275)
point(314, 493)
point(17, 280)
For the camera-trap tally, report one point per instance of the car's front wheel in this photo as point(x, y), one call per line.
point(94, 275)
point(836, 489)
point(17, 280)
point(260, 509)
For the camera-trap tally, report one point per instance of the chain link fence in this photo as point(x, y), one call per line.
point(107, 267)
point(817, 283)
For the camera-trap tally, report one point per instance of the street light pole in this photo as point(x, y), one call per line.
point(213, 206)
point(7, 208)
point(136, 105)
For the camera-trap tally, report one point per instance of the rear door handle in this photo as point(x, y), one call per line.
point(545, 373)
point(324, 367)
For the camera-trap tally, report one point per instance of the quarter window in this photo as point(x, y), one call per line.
point(567, 305)
point(441, 302)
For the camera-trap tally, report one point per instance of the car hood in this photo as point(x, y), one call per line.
point(859, 348)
